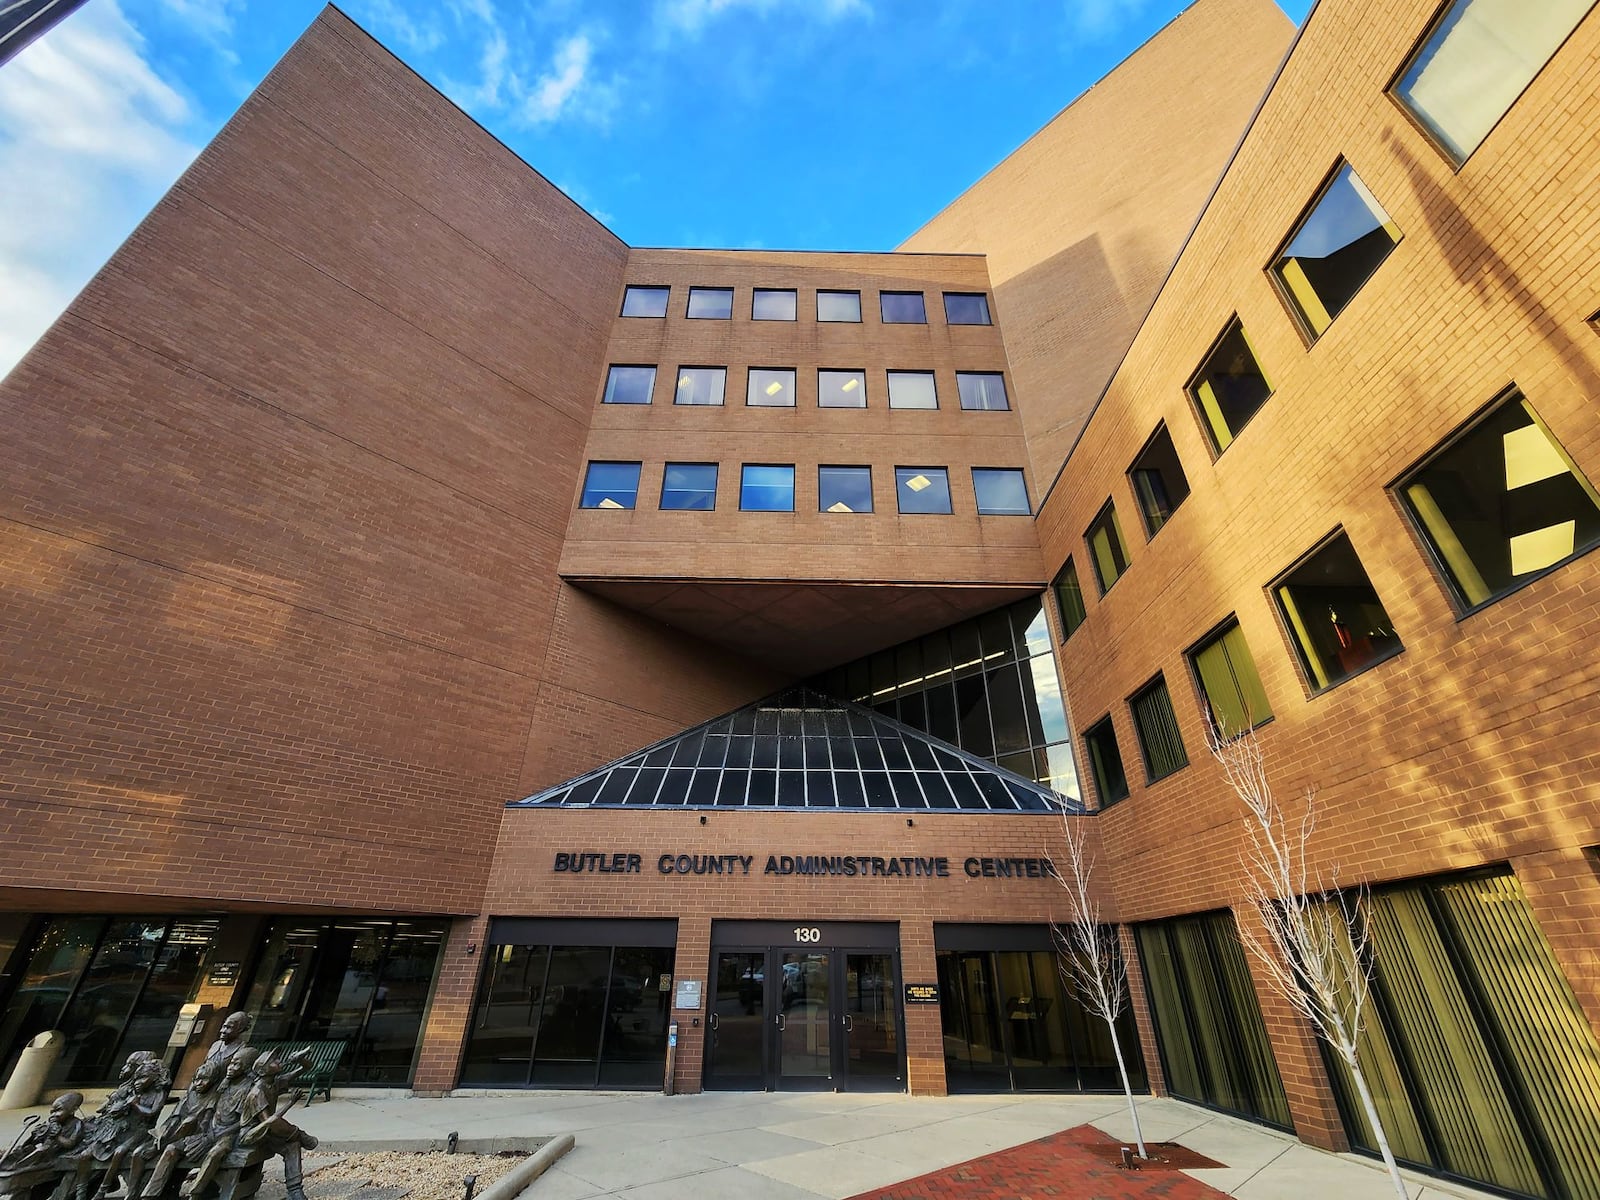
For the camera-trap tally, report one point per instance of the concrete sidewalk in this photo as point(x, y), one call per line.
point(800, 1146)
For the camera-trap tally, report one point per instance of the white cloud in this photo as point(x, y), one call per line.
point(562, 87)
point(1096, 20)
point(556, 88)
point(389, 19)
point(90, 136)
point(212, 19)
point(690, 16)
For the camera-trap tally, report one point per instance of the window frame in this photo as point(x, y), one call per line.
point(883, 318)
point(945, 471)
point(1216, 633)
point(1133, 485)
point(793, 487)
point(716, 486)
point(1105, 724)
point(688, 304)
point(1159, 679)
point(855, 512)
point(1191, 387)
point(822, 320)
point(978, 495)
point(583, 485)
point(988, 309)
point(1068, 628)
point(1297, 651)
point(1005, 389)
point(666, 302)
point(792, 292)
point(1109, 507)
point(655, 373)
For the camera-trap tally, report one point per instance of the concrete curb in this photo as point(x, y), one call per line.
point(519, 1177)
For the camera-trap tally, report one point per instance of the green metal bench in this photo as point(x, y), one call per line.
point(324, 1061)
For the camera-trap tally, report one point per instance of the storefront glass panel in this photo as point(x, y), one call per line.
point(47, 982)
point(505, 1020)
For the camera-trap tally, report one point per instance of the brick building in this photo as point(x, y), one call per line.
point(434, 625)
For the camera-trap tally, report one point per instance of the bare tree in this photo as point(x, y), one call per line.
point(1091, 957)
point(1310, 937)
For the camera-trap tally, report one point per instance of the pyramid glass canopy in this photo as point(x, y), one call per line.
point(801, 749)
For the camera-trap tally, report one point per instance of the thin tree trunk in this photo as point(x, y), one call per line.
point(1376, 1123)
point(1127, 1090)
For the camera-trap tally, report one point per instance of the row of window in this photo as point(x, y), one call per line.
point(776, 387)
point(782, 304)
point(1497, 505)
point(769, 487)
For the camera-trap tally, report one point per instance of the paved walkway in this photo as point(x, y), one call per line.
point(801, 1146)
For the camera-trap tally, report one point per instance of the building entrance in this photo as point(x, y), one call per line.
point(819, 1012)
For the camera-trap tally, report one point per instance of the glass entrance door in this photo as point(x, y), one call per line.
point(869, 1024)
point(736, 1043)
point(805, 1020)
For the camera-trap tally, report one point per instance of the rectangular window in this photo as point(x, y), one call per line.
point(1001, 492)
point(689, 485)
point(1157, 726)
point(1501, 504)
point(1476, 61)
point(610, 485)
point(1106, 547)
point(1234, 697)
point(1229, 386)
point(772, 304)
point(839, 306)
point(966, 308)
point(1334, 617)
point(638, 301)
point(766, 488)
point(912, 389)
point(701, 385)
point(1158, 481)
point(1105, 760)
point(770, 387)
point(922, 489)
point(982, 391)
point(1069, 599)
point(841, 389)
point(629, 385)
point(1333, 251)
point(902, 308)
point(711, 303)
point(844, 489)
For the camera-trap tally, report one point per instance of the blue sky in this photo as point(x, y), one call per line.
point(805, 124)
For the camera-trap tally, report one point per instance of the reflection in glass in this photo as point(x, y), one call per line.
point(610, 485)
point(689, 486)
point(1158, 481)
point(772, 304)
point(1105, 759)
point(838, 306)
point(912, 389)
point(700, 385)
point(1229, 387)
point(1335, 619)
point(966, 308)
point(804, 1050)
point(638, 301)
point(629, 385)
point(572, 1015)
point(766, 488)
point(709, 303)
point(841, 389)
point(1107, 549)
point(738, 1018)
point(1335, 249)
point(902, 308)
point(505, 1019)
point(844, 489)
point(872, 1037)
point(982, 391)
point(922, 489)
point(46, 982)
point(1001, 492)
point(1069, 599)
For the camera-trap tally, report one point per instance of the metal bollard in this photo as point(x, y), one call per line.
point(27, 1079)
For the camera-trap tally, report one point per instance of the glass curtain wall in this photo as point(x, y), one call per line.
point(1213, 1041)
point(1480, 1061)
point(570, 1016)
point(112, 985)
point(988, 686)
point(364, 982)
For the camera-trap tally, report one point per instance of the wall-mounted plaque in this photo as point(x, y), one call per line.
point(223, 974)
point(922, 993)
point(688, 995)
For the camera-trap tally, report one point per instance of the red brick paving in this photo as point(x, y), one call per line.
point(1058, 1165)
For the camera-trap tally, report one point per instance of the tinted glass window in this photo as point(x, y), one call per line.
point(1335, 250)
point(630, 385)
point(966, 308)
point(838, 306)
point(700, 385)
point(982, 391)
point(765, 488)
point(844, 489)
point(841, 389)
point(689, 485)
point(1229, 387)
point(903, 308)
point(1157, 727)
point(645, 301)
point(1334, 617)
point(922, 489)
point(1069, 599)
point(711, 303)
point(912, 389)
point(1106, 548)
point(610, 485)
point(1228, 680)
point(1158, 481)
point(1001, 491)
point(771, 387)
point(772, 304)
point(1110, 781)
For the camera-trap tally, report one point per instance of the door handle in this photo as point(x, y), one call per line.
point(780, 1022)
point(712, 1022)
point(849, 1025)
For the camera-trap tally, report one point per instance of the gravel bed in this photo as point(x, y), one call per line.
point(390, 1174)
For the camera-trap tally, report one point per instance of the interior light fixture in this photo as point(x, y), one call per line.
point(608, 502)
point(840, 506)
point(684, 381)
point(774, 388)
point(917, 482)
point(851, 385)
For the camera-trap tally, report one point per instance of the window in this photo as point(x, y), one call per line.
point(1475, 63)
point(912, 389)
point(1333, 251)
point(839, 306)
point(982, 391)
point(1001, 492)
point(772, 304)
point(1501, 504)
point(1105, 760)
point(689, 485)
point(1233, 693)
point(1069, 599)
point(841, 389)
point(770, 387)
point(764, 488)
point(902, 308)
point(1106, 548)
point(1229, 387)
point(1334, 617)
point(629, 385)
point(966, 308)
point(700, 385)
point(844, 489)
point(922, 489)
point(640, 301)
point(711, 303)
point(610, 485)
point(1157, 727)
point(1158, 481)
